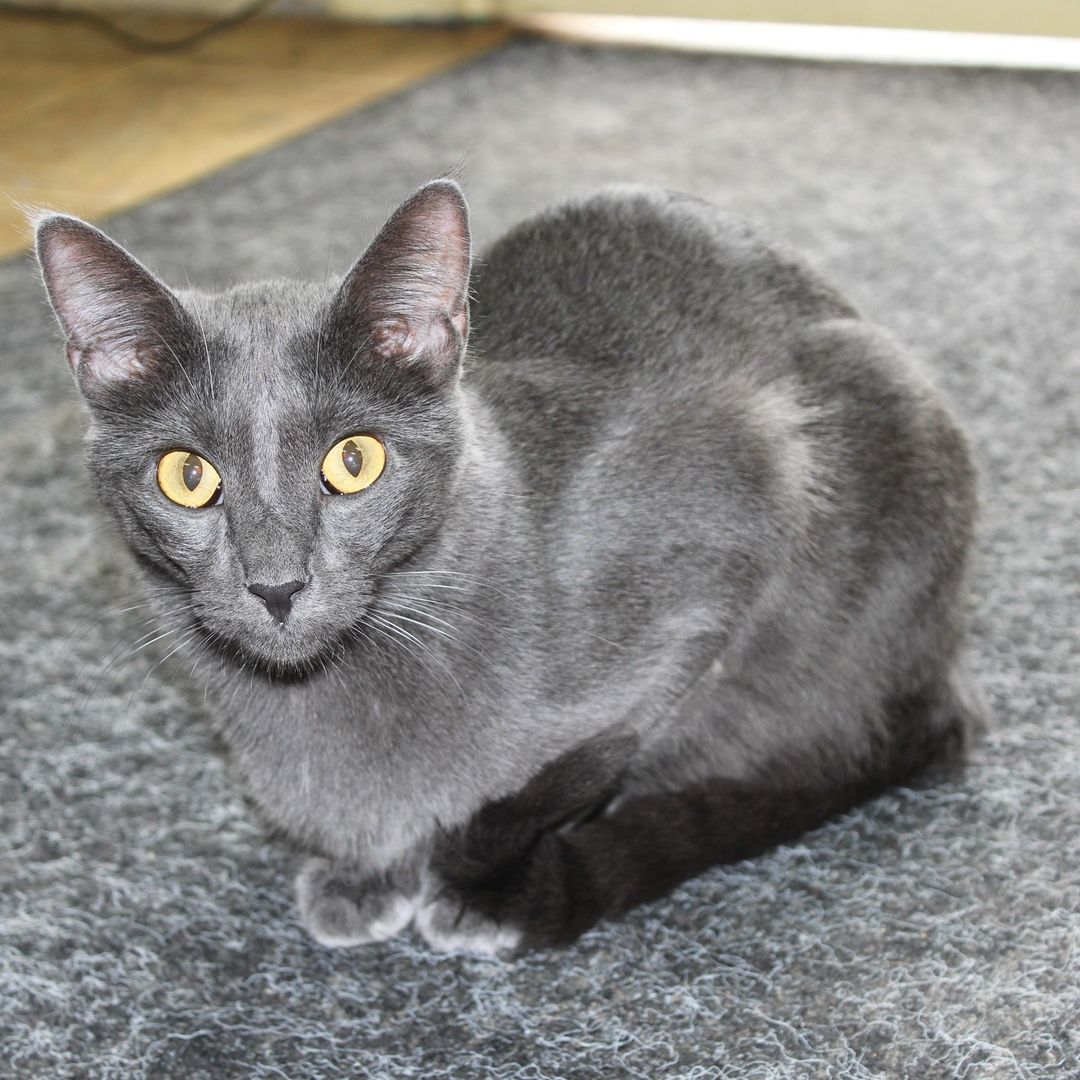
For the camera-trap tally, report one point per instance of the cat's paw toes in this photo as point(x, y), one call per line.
point(448, 925)
point(340, 911)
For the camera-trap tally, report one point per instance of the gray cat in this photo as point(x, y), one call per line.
point(665, 569)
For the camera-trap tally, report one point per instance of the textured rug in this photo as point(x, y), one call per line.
point(147, 922)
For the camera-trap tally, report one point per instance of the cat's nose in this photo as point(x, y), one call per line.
point(277, 598)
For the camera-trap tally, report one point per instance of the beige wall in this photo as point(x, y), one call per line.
point(1053, 17)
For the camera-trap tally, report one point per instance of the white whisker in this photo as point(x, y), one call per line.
point(449, 608)
point(453, 638)
point(475, 581)
point(146, 678)
point(386, 627)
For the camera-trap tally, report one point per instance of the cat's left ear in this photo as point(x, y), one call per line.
point(406, 299)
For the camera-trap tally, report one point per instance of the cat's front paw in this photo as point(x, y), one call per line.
point(340, 906)
point(448, 924)
point(504, 881)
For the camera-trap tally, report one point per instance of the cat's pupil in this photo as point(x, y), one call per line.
point(192, 471)
point(351, 457)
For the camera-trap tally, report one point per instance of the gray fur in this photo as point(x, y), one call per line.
point(680, 489)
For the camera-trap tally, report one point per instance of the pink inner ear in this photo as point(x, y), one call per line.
point(72, 289)
point(392, 339)
point(101, 365)
point(399, 338)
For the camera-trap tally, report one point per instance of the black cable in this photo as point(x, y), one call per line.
point(128, 38)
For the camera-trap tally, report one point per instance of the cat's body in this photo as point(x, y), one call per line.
point(683, 548)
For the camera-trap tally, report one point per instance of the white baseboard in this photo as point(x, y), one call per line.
point(803, 41)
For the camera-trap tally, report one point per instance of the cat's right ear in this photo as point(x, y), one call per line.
point(116, 316)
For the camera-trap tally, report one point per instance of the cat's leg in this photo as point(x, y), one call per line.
point(514, 879)
point(343, 905)
point(499, 838)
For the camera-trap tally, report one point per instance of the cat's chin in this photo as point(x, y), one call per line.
point(288, 658)
point(283, 668)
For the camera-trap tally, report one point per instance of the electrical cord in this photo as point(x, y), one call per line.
point(129, 39)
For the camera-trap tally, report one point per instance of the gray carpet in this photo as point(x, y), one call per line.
point(148, 928)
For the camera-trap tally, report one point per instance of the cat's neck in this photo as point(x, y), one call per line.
point(488, 500)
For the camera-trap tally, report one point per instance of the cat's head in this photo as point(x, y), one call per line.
point(271, 450)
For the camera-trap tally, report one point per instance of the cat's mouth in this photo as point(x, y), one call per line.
point(284, 656)
point(319, 629)
point(304, 642)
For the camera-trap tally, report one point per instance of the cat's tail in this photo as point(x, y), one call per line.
point(551, 873)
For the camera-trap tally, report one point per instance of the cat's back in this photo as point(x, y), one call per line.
point(606, 320)
point(637, 274)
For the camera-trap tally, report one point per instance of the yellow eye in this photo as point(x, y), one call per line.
point(188, 479)
point(353, 464)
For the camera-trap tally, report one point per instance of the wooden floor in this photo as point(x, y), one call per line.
point(89, 127)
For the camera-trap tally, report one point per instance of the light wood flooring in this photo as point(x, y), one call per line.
point(89, 127)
